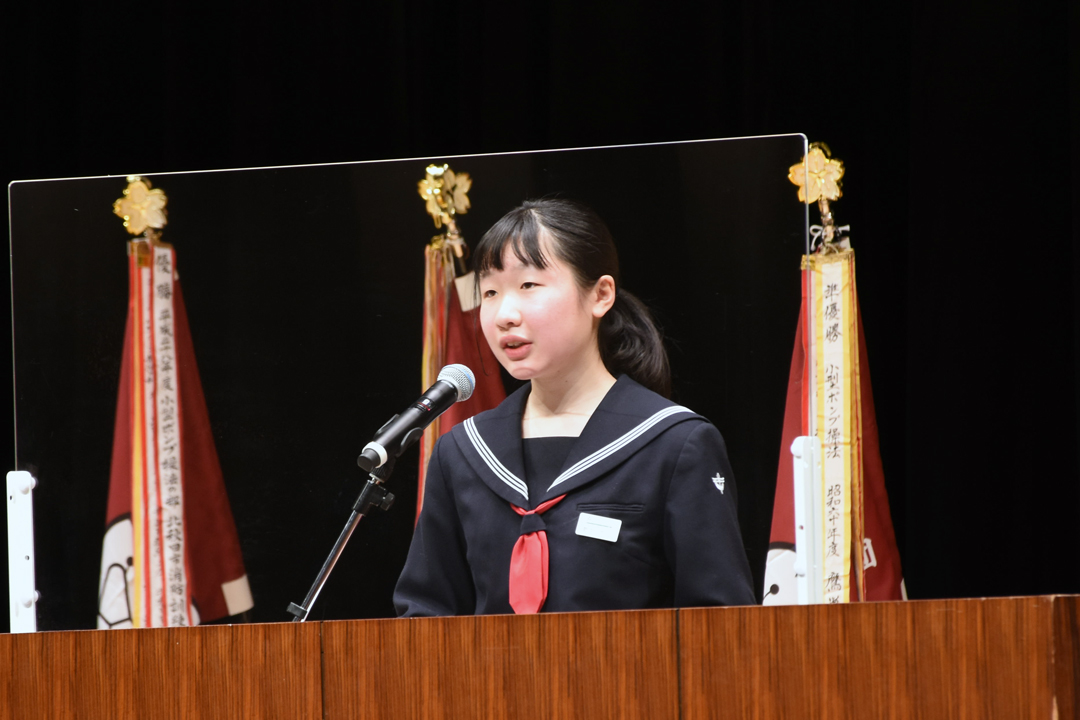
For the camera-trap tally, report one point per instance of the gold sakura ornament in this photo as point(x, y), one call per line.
point(445, 196)
point(141, 207)
point(445, 193)
point(818, 178)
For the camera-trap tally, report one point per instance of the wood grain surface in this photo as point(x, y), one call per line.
point(981, 658)
point(581, 665)
point(1067, 655)
point(241, 671)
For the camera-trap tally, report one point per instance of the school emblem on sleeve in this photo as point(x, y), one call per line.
point(718, 481)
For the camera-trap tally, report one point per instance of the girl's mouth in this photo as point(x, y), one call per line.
point(516, 348)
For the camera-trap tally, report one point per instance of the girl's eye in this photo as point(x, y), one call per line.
point(489, 293)
point(528, 285)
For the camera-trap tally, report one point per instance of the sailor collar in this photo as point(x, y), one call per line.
point(626, 420)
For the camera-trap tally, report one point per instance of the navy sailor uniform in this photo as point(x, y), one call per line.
point(656, 466)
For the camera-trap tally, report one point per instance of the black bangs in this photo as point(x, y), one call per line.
point(520, 229)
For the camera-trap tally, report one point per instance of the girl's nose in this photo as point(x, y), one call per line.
point(507, 315)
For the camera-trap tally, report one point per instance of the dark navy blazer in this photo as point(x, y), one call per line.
point(656, 466)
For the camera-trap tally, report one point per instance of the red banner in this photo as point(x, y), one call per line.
point(874, 557)
point(171, 555)
point(462, 343)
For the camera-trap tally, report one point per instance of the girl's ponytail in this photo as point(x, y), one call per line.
point(631, 343)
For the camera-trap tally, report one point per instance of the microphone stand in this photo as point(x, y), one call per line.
point(373, 496)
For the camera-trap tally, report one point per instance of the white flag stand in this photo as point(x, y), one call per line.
point(809, 538)
point(22, 589)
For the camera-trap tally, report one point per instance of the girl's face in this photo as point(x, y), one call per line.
point(539, 323)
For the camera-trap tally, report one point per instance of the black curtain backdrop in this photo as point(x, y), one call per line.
point(959, 125)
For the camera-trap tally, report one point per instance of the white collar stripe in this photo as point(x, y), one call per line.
point(488, 457)
point(616, 445)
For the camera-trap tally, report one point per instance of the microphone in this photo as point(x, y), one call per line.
point(455, 384)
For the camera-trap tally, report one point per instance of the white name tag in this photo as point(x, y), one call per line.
point(599, 527)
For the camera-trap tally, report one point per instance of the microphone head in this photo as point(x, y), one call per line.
point(461, 378)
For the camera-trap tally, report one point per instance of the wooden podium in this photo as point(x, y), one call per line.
point(981, 658)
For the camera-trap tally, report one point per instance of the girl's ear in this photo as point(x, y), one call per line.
point(602, 296)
